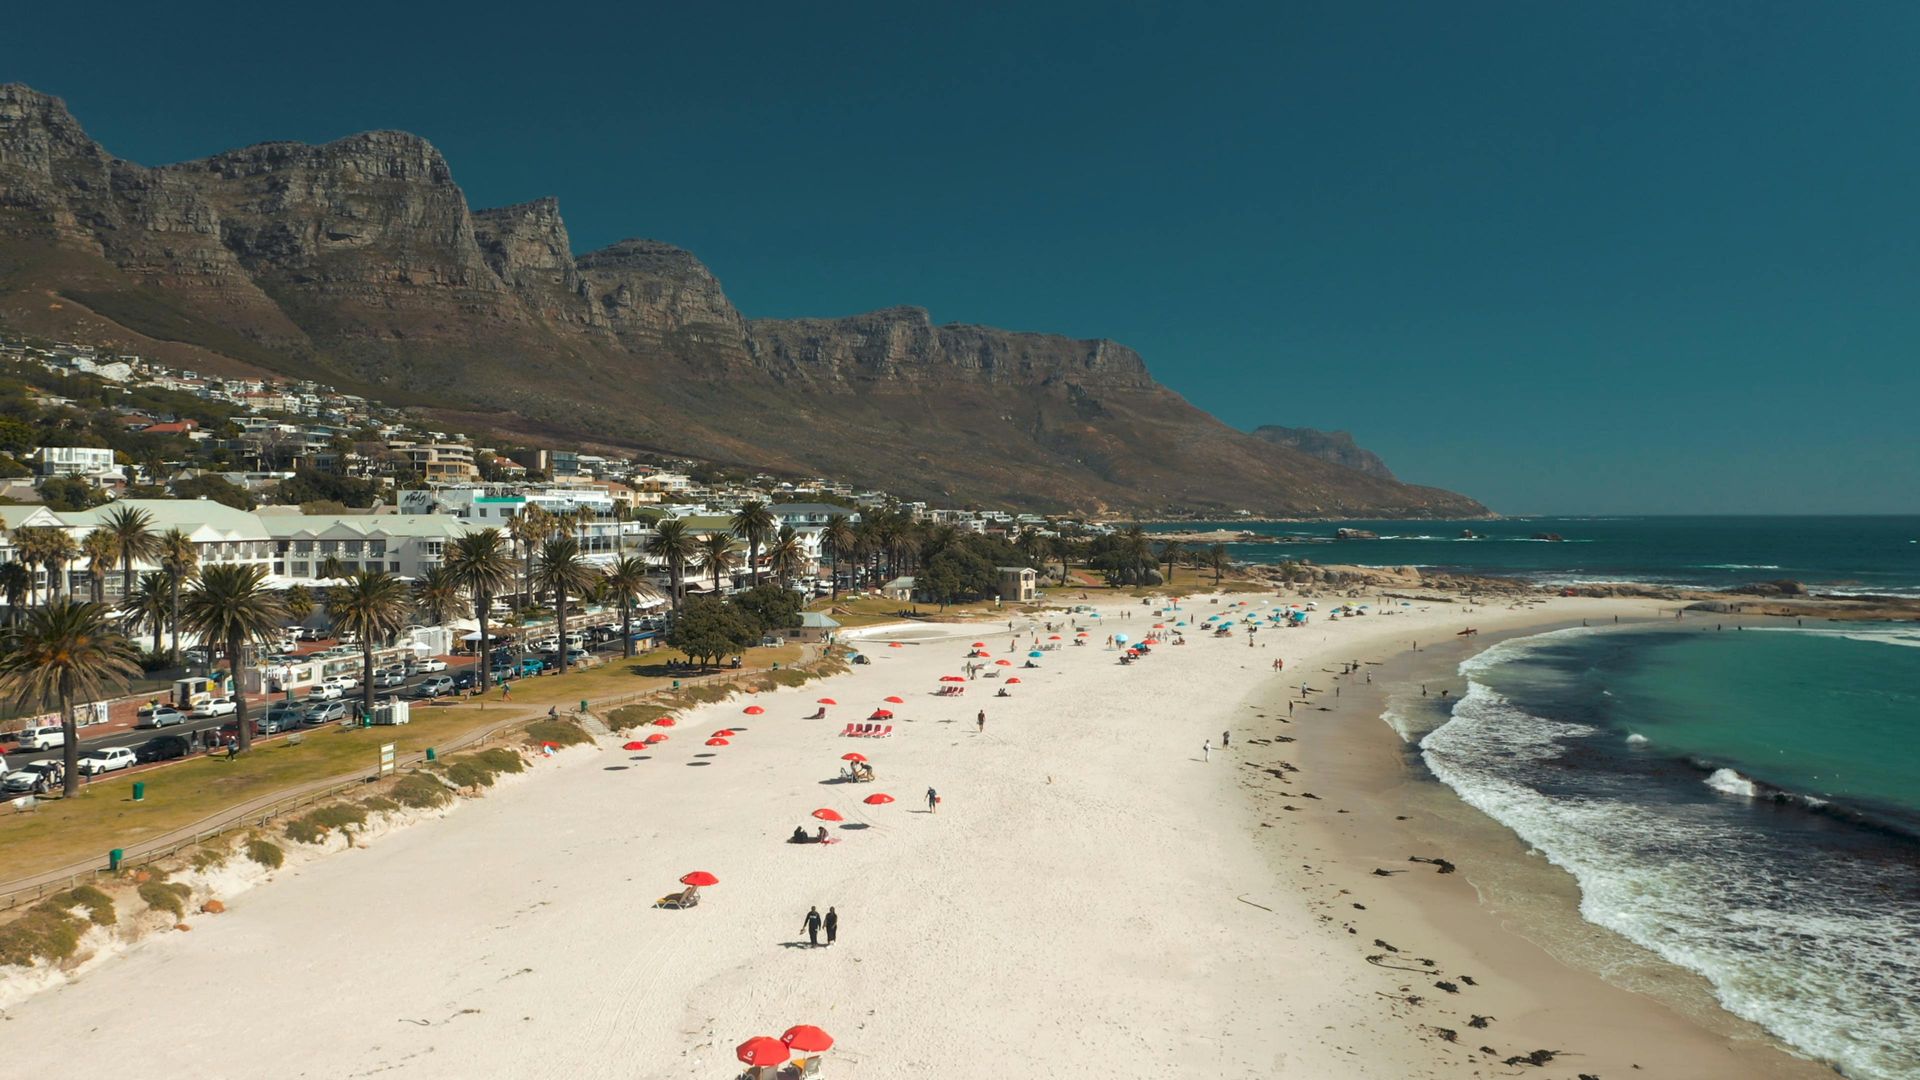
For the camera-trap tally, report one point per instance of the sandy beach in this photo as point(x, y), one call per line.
point(1094, 897)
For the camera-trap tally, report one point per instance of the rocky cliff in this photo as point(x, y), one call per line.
point(1335, 446)
point(359, 262)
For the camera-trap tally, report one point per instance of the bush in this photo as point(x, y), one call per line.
point(313, 826)
point(557, 732)
point(631, 716)
point(422, 791)
point(478, 770)
point(266, 853)
point(47, 930)
point(379, 804)
point(166, 896)
point(211, 858)
point(98, 904)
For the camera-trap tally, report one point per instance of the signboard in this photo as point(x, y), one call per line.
point(386, 758)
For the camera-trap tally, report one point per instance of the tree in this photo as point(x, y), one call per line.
point(132, 527)
point(230, 603)
point(709, 628)
point(718, 556)
point(627, 578)
point(310, 485)
point(69, 493)
point(674, 544)
point(65, 652)
point(1171, 551)
point(147, 605)
point(298, 602)
point(770, 607)
point(957, 573)
point(787, 555)
point(57, 552)
point(215, 488)
point(753, 522)
point(528, 528)
point(1218, 562)
point(839, 540)
point(178, 557)
point(102, 550)
point(479, 562)
point(562, 570)
point(438, 593)
point(15, 582)
point(373, 604)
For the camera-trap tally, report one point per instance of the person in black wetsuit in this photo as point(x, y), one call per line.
point(832, 923)
point(813, 928)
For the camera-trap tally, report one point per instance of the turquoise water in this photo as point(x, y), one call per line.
point(1746, 804)
point(1836, 554)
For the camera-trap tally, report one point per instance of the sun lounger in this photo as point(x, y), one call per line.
point(848, 730)
point(686, 898)
point(884, 732)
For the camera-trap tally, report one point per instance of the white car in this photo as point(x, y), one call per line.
point(42, 738)
point(220, 706)
point(431, 664)
point(326, 691)
point(95, 762)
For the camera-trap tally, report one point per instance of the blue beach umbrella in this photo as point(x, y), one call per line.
point(1035, 655)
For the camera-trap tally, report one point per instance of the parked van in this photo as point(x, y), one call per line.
point(42, 738)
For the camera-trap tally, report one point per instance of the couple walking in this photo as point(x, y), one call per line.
point(815, 922)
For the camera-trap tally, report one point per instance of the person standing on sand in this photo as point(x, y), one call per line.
point(1225, 737)
point(981, 720)
point(832, 923)
point(933, 801)
point(813, 928)
point(1206, 751)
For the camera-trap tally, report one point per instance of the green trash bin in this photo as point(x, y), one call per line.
point(583, 704)
point(430, 754)
point(139, 790)
point(114, 857)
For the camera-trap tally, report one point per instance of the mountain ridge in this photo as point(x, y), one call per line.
point(359, 261)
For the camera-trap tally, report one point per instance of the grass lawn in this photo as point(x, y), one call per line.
point(104, 816)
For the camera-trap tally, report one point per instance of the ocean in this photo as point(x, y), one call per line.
point(1743, 803)
point(1841, 555)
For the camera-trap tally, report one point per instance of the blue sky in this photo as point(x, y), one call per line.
point(1609, 257)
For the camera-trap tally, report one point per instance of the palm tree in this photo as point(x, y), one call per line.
point(1217, 561)
point(374, 605)
point(230, 603)
point(298, 602)
point(330, 569)
point(786, 556)
point(65, 652)
point(479, 562)
point(627, 578)
point(753, 522)
point(101, 549)
point(1169, 552)
point(438, 593)
point(528, 528)
point(147, 605)
point(59, 553)
point(45, 547)
point(672, 542)
point(561, 570)
point(178, 557)
point(15, 582)
point(839, 539)
point(718, 555)
point(133, 528)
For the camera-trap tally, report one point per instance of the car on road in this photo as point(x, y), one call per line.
point(388, 678)
point(283, 716)
point(325, 712)
point(106, 759)
point(466, 680)
point(163, 748)
point(33, 776)
point(161, 716)
point(434, 686)
point(431, 664)
point(42, 738)
point(212, 707)
point(326, 691)
point(347, 683)
point(532, 665)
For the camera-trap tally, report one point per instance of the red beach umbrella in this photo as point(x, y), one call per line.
point(1082, 633)
point(723, 733)
point(979, 644)
point(826, 701)
point(665, 721)
point(883, 714)
point(669, 719)
point(1013, 680)
point(1159, 626)
point(1053, 637)
point(853, 756)
point(701, 878)
point(762, 1050)
point(951, 678)
point(634, 745)
point(656, 738)
point(878, 798)
point(895, 645)
point(1003, 663)
point(896, 700)
point(807, 1039)
point(825, 814)
point(753, 710)
point(718, 742)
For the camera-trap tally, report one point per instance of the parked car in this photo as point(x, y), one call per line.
point(162, 716)
point(163, 748)
point(532, 665)
point(220, 706)
point(388, 678)
point(466, 680)
point(42, 738)
point(347, 683)
point(105, 759)
point(431, 664)
point(283, 716)
point(326, 691)
point(434, 687)
point(325, 712)
point(33, 776)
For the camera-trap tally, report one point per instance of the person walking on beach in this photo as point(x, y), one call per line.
point(1206, 751)
point(933, 801)
point(832, 923)
point(981, 721)
point(813, 928)
point(1225, 737)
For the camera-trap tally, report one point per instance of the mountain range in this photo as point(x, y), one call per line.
point(358, 262)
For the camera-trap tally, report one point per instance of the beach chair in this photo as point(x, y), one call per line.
point(870, 731)
point(686, 898)
point(884, 732)
point(845, 731)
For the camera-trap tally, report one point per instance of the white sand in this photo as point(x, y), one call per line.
point(1071, 910)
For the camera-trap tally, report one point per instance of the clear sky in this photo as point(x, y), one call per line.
point(1604, 257)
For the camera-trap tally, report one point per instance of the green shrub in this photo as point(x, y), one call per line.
point(46, 930)
point(98, 904)
point(166, 896)
point(211, 857)
point(313, 826)
point(379, 804)
point(478, 770)
point(631, 716)
point(266, 853)
point(422, 791)
point(557, 732)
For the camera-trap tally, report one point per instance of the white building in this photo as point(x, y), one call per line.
point(408, 545)
point(92, 462)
